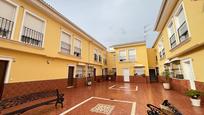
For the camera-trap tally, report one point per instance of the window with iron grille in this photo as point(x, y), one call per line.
point(122, 55)
point(95, 55)
point(7, 17)
point(131, 54)
point(100, 58)
point(77, 48)
point(105, 61)
point(181, 24)
point(171, 34)
point(33, 30)
point(161, 49)
point(65, 43)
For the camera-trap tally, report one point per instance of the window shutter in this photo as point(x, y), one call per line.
point(66, 38)
point(33, 23)
point(77, 43)
point(181, 17)
point(7, 10)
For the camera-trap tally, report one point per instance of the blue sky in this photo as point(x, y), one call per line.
point(112, 21)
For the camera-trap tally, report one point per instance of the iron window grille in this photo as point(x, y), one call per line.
point(183, 32)
point(65, 47)
point(6, 27)
point(173, 41)
point(32, 37)
point(77, 52)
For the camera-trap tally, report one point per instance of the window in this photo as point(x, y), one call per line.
point(131, 54)
point(105, 61)
point(161, 49)
point(181, 24)
point(122, 55)
point(171, 33)
point(7, 18)
point(77, 48)
point(65, 43)
point(95, 55)
point(100, 58)
point(80, 72)
point(90, 71)
point(139, 71)
point(33, 30)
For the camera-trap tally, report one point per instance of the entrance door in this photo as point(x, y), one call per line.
point(126, 75)
point(188, 72)
point(94, 74)
point(3, 69)
point(71, 76)
point(152, 73)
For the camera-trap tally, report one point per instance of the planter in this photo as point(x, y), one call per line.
point(195, 102)
point(89, 83)
point(166, 85)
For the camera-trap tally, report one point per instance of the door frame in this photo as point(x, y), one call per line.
point(124, 75)
point(191, 64)
point(8, 70)
point(155, 73)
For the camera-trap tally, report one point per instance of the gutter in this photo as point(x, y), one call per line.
point(160, 13)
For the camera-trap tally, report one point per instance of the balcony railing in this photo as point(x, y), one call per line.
point(65, 47)
point(183, 32)
point(173, 41)
point(95, 57)
point(6, 27)
point(100, 59)
point(162, 53)
point(32, 37)
point(77, 52)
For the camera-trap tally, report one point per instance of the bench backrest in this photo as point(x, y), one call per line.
point(18, 100)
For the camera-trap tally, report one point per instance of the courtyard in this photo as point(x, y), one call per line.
point(114, 98)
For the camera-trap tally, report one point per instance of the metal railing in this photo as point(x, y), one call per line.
point(183, 32)
point(173, 41)
point(32, 37)
point(77, 51)
point(6, 27)
point(65, 47)
point(162, 53)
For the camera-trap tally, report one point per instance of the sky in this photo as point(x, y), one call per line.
point(112, 21)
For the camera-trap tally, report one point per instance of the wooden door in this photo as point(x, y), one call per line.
point(3, 69)
point(153, 76)
point(71, 76)
point(94, 74)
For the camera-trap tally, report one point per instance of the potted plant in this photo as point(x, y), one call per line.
point(194, 97)
point(89, 80)
point(166, 83)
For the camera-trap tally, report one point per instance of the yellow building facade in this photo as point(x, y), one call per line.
point(180, 44)
point(131, 61)
point(38, 44)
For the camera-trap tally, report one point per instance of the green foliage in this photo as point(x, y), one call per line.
point(166, 74)
point(194, 94)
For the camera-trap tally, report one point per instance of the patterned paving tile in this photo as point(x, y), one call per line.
point(103, 109)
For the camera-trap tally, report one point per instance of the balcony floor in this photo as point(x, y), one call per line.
point(117, 99)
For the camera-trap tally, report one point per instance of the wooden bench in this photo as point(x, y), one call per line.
point(19, 100)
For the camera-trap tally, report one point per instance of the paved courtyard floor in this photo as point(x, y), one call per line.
point(111, 98)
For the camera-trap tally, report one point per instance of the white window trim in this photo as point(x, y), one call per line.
point(175, 15)
point(23, 21)
point(7, 76)
point(15, 17)
point(61, 31)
